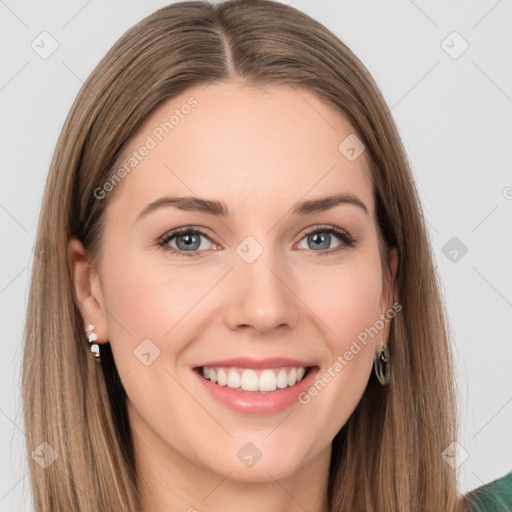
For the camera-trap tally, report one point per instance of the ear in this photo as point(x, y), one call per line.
point(387, 292)
point(87, 290)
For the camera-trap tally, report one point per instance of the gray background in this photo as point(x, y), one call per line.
point(453, 112)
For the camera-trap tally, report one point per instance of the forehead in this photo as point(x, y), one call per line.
point(256, 145)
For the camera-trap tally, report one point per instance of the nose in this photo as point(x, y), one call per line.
point(261, 296)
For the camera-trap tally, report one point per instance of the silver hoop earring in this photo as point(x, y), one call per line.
point(381, 365)
point(92, 337)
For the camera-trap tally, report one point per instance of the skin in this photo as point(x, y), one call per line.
point(259, 150)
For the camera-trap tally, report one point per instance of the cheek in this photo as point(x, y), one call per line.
point(147, 307)
point(140, 302)
point(150, 300)
point(346, 298)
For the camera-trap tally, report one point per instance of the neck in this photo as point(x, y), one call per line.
point(169, 481)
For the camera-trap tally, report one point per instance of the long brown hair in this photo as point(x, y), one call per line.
point(389, 454)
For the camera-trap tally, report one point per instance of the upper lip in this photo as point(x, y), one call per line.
point(254, 362)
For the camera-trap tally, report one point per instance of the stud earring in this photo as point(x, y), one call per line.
point(92, 337)
point(381, 365)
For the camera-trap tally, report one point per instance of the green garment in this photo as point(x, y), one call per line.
point(495, 496)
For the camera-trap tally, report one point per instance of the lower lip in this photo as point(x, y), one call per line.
point(260, 403)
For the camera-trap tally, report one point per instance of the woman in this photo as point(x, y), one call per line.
point(189, 347)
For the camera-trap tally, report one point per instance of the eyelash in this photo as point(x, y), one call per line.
point(347, 240)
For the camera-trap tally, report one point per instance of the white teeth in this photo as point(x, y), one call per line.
point(267, 381)
point(249, 379)
point(222, 378)
point(282, 379)
point(233, 379)
point(292, 377)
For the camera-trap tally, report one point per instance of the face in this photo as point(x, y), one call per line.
point(267, 275)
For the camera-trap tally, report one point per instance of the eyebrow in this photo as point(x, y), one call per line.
point(219, 209)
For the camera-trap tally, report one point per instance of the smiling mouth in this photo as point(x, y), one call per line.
point(254, 380)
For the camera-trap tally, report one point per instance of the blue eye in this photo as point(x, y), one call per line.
point(321, 237)
point(188, 240)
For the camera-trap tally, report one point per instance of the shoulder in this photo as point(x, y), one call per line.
point(495, 496)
